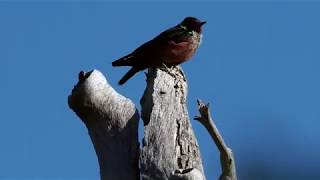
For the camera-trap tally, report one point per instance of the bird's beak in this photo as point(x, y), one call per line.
point(202, 23)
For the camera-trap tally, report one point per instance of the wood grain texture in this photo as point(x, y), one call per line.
point(170, 149)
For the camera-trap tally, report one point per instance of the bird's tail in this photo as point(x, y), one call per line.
point(128, 75)
point(124, 61)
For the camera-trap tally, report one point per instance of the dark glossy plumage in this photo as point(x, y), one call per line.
point(172, 47)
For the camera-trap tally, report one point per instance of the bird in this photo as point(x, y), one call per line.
point(171, 47)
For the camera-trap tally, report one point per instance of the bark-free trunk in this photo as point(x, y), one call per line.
point(169, 147)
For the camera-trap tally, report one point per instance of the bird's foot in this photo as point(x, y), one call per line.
point(175, 71)
point(182, 73)
point(167, 69)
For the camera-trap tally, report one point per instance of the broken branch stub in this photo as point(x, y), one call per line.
point(112, 123)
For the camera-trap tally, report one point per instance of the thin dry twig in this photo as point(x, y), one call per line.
point(226, 156)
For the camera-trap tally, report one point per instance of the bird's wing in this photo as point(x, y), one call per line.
point(175, 34)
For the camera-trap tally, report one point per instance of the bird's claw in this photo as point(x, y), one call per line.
point(165, 68)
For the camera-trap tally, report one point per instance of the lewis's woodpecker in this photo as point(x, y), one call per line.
point(172, 47)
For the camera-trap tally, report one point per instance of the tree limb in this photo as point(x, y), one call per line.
point(226, 155)
point(112, 122)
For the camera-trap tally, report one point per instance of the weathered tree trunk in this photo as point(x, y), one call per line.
point(169, 147)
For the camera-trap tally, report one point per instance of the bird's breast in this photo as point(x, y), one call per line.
point(177, 53)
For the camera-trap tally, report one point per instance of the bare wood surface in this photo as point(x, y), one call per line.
point(226, 156)
point(112, 122)
point(170, 149)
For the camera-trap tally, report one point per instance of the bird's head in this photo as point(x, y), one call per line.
point(193, 24)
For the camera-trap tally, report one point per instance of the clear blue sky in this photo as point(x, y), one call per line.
point(258, 66)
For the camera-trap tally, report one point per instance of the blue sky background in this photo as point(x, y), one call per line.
point(258, 66)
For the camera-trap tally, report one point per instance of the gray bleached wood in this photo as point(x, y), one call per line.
point(112, 122)
point(170, 149)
